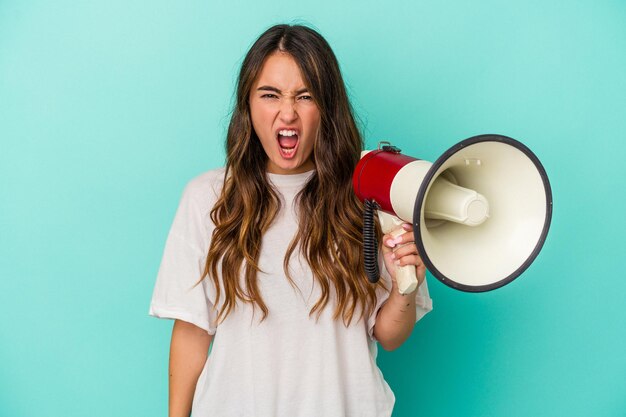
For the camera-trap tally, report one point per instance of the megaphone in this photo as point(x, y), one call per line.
point(480, 213)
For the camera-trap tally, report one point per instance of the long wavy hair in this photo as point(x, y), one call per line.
point(329, 214)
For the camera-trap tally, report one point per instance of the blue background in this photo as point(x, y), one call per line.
point(108, 108)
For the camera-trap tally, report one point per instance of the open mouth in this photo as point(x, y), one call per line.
point(287, 142)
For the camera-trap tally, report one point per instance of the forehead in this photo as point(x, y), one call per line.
point(280, 70)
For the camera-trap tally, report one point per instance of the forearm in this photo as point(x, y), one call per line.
point(395, 320)
point(188, 354)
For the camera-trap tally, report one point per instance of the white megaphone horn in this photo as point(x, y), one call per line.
point(480, 213)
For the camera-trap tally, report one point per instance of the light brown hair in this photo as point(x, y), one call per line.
point(329, 214)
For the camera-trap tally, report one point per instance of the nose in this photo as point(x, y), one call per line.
point(288, 111)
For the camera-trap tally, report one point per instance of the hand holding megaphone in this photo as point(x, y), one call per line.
point(480, 213)
point(406, 277)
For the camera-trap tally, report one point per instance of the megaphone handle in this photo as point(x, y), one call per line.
point(405, 275)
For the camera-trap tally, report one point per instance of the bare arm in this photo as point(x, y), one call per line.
point(189, 350)
point(396, 318)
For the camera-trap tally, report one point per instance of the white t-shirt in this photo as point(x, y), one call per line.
point(289, 365)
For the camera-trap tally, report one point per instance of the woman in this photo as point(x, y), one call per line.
point(264, 258)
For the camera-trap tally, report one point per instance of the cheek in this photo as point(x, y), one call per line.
point(261, 120)
point(312, 117)
point(312, 126)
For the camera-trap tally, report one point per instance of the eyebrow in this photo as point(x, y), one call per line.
point(276, 90)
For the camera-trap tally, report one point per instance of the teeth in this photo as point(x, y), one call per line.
point(286, 132)
point(288, 151)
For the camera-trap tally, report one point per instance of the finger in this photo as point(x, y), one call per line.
point(400, 239)
point(409, 260)
point(408, 249)
point(388, 243)
point(392, 241)
point(416, 261)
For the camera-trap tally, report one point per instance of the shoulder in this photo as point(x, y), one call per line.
point(206, 187)
point(192, 222)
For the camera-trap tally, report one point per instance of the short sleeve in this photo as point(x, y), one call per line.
point(176, 295)
point(423, 302)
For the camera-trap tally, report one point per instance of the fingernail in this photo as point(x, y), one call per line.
point(407, 226)
point(397, 262)
point(391, 243)
point(397, 240)
point(393, 255)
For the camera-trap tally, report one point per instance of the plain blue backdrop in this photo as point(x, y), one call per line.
point(108, 108)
